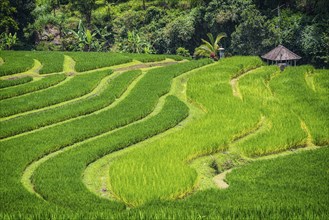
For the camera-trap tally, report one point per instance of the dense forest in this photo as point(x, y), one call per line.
point(252, 27)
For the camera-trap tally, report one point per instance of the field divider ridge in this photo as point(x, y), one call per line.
point(33, 91)
point(95, 176)
point(96, 91)
point(68, 66)
point(309, 79)
point(28, 173)
point(207, 180)
point(44, 108)
point(33, 72)
point(234, 82)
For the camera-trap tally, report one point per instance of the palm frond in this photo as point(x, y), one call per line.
point(211, 38)
point(219, 37)
point(207, 44)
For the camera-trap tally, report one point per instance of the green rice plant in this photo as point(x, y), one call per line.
point(93, 60)
point(52, 61)
point(161, 172)
point(50, 174)
point(71, 88)
point(15, 62)
point(114, 89)
point(287, 187)
point(13, 82)
point(310, 106)
point(26, 148)
point(281, 129)
point(36, 85)
point(291, 187)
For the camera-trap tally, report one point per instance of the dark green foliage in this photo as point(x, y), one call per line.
point(31, 87)
point(85, 7)
point(253, 26)
point(23, 13)
point(7, 22)
point(249, 33)
point(181, 51)
point(14, 82)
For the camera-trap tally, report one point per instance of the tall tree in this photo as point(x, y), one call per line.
point(7, 22)
point(85, 7)
point(23, 15)
point(250, 33)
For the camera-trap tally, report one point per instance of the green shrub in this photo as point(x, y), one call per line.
point(181, 51)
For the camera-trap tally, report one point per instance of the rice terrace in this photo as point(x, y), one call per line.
point(164, 109)
point(154, 136)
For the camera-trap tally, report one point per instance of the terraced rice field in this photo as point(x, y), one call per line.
point(123, 136)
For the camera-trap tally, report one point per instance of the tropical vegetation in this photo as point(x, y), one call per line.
point(253, 27)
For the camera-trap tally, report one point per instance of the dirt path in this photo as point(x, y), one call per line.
point(145, 65)
point(235, 83)
point(309, 79)
point(220, 179)
point(207, 178)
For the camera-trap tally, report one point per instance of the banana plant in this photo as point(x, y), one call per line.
point(7, 40)
point(84, 36)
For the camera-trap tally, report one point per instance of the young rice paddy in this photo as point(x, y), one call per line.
point(126, 136)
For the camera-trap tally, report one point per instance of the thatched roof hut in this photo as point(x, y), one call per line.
point(281, 55)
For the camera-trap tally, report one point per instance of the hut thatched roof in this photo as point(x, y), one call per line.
point(281, 53)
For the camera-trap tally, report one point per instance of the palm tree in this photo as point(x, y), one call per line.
point(211, 48)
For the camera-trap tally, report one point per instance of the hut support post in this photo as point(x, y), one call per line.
point(295, 62)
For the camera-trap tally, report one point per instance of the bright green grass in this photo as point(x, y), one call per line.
point(77, 196)
point(282, 128)
point(160, 172)
point(92, 60)
point(284, 188)
point(114, 89)
point(31, 87)
point(15, 62)
point(14, 82)
point(139, 103)
point(51, 61)
point(21, 61)
point(69, 89)
point(289, 187)
point(311, 106)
